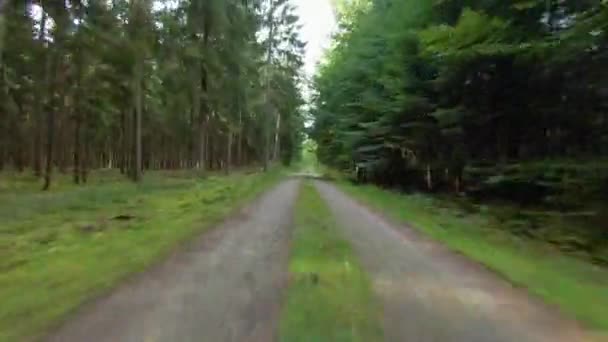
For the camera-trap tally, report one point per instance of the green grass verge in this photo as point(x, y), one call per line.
point(330, 297)
point(577, 287)
point(59, 249)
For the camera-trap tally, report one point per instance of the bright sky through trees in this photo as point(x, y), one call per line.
point(318, 22)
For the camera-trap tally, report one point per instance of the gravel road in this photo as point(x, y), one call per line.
point(227, 285)
point(224, 287)
point(432, 295)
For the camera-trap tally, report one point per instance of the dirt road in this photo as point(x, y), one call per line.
point(227, 286)
point(432, 295)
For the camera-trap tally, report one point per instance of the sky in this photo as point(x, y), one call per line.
point(318, 22)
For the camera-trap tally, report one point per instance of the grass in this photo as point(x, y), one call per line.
point(577, 287)
point(61, 248)
point(330, 297)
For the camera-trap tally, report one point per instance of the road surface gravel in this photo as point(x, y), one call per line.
point(225, 287)
point(430, 294)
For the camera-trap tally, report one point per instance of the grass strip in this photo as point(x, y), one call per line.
point(330, 297)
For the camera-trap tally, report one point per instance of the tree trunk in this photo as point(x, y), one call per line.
point(84, 161)
point(229, 152)
point(50, 124)
point(138, 120)
point(2, 26)
point(239, 142)
point(267, 139)
point(429, 178)
point(196, 113)
point(277, 143)
point(268, 113)
point(39, 108)
point(202, 114)
point(77, 150)
point(62, 150)
point(124, 148)
point(37, 153)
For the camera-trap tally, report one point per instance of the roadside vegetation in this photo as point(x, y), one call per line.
point(575, 285)
point(63, 247)
point(329, 297)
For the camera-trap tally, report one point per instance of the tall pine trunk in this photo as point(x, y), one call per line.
point(50, 128)
point(268, 114)
point(2, 26)
point(138, 119)
point(77, 148)
point(39, 105)
point(86, 150)
point(277, 141)
point(197, 114)
point(50, 121)
point(124, 144)
point(229, 151)
point(239, 142)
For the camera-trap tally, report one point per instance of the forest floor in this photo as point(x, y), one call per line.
point(61, 248)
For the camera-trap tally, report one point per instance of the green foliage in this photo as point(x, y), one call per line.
point(330, 298)
point(414, 91)
point(197, 71)
point(474, 29)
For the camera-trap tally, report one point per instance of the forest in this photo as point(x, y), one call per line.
point(146, 85)
point(501, 101)
point(170, 170)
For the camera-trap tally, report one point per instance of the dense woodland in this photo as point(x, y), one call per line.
point(498, 100)
point(424, 89)
point(145, 84)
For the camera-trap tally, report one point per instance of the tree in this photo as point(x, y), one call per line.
point(414, 93)
point(98, 84)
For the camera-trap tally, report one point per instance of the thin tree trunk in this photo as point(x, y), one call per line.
point(268, 114)
point(39, 108)
point(2, 26)
point(77, 150)
point(239, 142)
point(196, 113)
point(50, 123)
point(277, 143)
point(429, 177)
point(229, 152)
point(62, 149)
point(203, 114)
point(49, 147)
point(37, 153)
point(208, 152)
point(84, 161)
point(138, 120)
point(124, 148)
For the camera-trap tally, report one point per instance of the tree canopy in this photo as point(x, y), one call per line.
point(145, 84)
point(415, 91)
